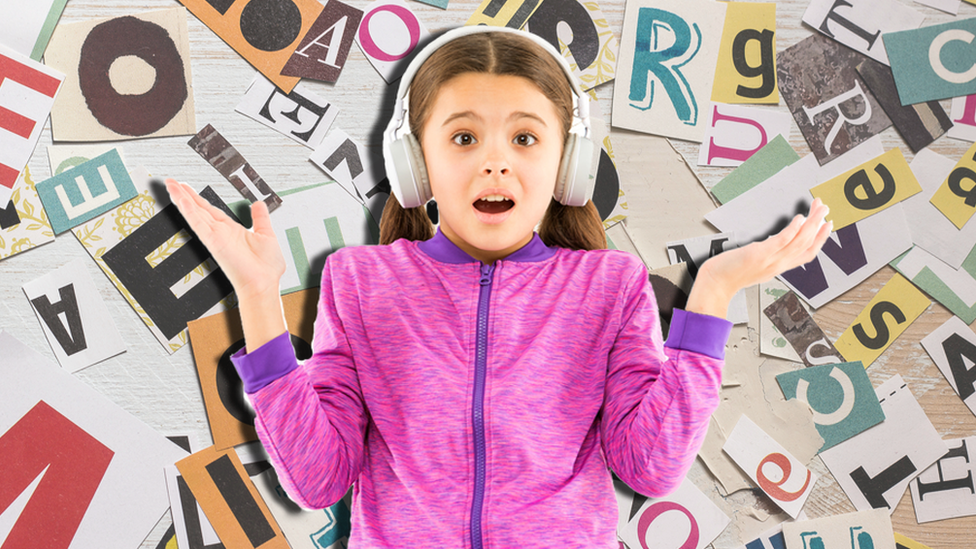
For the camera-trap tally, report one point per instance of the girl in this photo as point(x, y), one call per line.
point(475, 384)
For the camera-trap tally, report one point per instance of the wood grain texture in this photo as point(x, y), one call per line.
point(163, 390)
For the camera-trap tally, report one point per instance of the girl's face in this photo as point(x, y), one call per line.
point(492, 145)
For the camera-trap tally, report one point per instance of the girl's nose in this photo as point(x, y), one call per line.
point(495, 162)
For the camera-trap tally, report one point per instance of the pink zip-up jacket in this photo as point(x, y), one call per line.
point(479, 406)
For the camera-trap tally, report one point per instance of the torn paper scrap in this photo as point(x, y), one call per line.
point(358, 169)
point(841, 397)
point(580, 31)
point(933, 62)
point(804, 335)
point(963, 114)
point(954, 288)
point(930, 228)
point(772, 342)
point(765, 163)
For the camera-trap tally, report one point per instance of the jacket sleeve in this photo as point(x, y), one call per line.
point(659, 397)
point(311, 418)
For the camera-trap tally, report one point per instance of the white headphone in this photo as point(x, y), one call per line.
point(404, 159)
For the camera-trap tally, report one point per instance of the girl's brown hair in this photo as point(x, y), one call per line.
point(578, 228)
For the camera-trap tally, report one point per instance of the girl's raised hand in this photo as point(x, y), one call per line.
point(251, 259)
point(723, 275)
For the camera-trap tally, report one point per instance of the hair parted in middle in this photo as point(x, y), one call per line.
point(502, 54)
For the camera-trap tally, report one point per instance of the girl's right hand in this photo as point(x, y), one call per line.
point(251, 258)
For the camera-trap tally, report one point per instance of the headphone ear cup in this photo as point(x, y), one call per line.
point(407, 172)
point(575, 182)
point(419, 168)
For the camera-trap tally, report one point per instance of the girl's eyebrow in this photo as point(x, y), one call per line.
point(514, 116)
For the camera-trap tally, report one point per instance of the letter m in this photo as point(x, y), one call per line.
point(62, 463)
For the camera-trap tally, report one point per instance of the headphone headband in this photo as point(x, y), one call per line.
point(403, 157)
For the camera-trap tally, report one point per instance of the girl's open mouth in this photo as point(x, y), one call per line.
point(493, 204)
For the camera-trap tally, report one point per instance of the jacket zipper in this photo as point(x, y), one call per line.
point(477, 415)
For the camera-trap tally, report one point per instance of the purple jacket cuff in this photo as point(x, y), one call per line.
point(703, 334)
point(265, 364)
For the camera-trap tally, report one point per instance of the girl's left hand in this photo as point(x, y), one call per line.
point(723, 275)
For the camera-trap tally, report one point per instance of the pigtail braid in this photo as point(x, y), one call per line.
point(397, 223)
point(573, 227)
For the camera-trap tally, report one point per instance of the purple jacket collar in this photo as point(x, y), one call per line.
point(442, 249)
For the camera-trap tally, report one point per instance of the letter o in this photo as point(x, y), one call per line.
point(404, 15)
point(935, 59)
point(132, 115)
point(654, 511)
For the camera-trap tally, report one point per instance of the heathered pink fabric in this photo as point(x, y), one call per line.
point(578, 379)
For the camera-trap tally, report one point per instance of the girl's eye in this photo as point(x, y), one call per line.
point(463, 139)
point(525, 139)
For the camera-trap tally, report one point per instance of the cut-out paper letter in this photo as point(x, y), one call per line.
point(215, 338)
point(27, 92)
point(963, 114)
point(232, 503)
point(934, 62)
point(147, 250)
point(873, 330)
point(127, 77)
point(667, 59)
point(947, 489)
point(685, 518)
point(956, 197)
point(225, 159)
point(590, 45)
point(359, 170)
point(264, 32)
point(746, 68)
point(780, 476)
point(734, 133)
point(75, 319)
point(322, 53)
point(86, 191)
point(301, 115)
point(840, 395)
point(952, 347)
point(830, 103)
point(867, 189)
point(388, 34)
point(80, 471)
point(875, 466)
point(868, 529)
point(859, 24)
point(504, 13)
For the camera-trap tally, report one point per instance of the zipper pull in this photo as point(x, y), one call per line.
point(486, 271)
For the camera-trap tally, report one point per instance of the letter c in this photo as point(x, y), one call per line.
point(935, 51)
point(843, 410)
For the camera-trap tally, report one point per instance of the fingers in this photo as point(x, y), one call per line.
point(261, 218)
